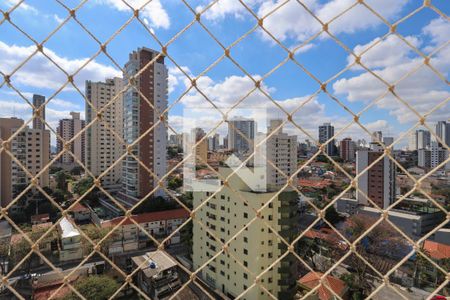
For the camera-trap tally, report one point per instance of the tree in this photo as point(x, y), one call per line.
point(332, 216)
point(96, 234)
point(174, 183)
point(95, 287)
point(61, 180)
point(83, 185)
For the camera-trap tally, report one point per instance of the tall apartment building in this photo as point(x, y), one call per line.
point(377, 137)
point(31, 147)
point(378, 183)
point(139, 117)
point(423, 139)
point(438, 154)
point(412, 141)
point(326, 132)
point(201, 150)
point(103, 148)
point(347, 149)
point(388, 140)
point(256, 247)
point(241, 135)
point(281, 150)
point(214, 142)
point(443, 132)
point(424, 158)
point(176, 140)
point(38, 101)
point(67, 129)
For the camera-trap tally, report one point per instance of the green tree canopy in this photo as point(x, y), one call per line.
point(95, 288)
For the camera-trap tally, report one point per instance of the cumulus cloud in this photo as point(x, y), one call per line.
point(154, 13)
point(292, 21)
point(39, 72)
point(391, 60)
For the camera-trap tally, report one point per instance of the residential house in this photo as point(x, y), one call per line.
point(157, 275)
point(70, 241)
point(330, 286)
point(156, 224)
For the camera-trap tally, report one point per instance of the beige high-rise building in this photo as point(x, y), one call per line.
point(256, 247)
point(31, 147)
point(281, 150)
point(67, 129)
point(103, 147)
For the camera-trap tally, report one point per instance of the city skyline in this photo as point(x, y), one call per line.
point(389, 115)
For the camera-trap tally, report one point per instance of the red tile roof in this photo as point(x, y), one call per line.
point(180, 213)
point(40, 218)
point(326, 235)
point(312, 279)
point(437, 250)
point(79, 208)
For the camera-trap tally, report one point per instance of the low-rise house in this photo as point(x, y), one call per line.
point(39, 219)
point(329, 287)
point(80, 213)
point(157, 275)
point(157, 224)
point(70, 241)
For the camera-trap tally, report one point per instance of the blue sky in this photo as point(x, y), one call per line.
point(257, 53)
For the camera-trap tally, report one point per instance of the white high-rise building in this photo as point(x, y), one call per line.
point(68, 129)
point(423, 139)
point(241, 135)
point(326, 132)
point(139, 118)
point(103, 138)
point(281, 150)
point(388, 140)
point(378, 182)
point(377, 137)
point(443, 132)
point(438, 155)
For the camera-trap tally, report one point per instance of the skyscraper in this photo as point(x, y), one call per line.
point(378, 182)
point(443, 132)
point(213, 142)
point(67, 129)
point(241, 135)
point(326, 132)
point(423, 139)
point(148, 89)
point(281, 150)
point(103, 147)
point(31, 147)
point(38, 102)
point(347, 149)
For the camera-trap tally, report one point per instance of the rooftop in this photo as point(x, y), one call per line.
point(180, 213)
point(67, 229)
point(153, 263)
point(330, 283)
point(437, 250)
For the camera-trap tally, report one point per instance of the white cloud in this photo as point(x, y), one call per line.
point(153, 11)
point(422, 90)
point(58, 19)
point(22, 6)
point(39, 72)
point(176, 76)
point(292, 21)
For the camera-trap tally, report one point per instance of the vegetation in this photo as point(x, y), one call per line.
point(174, 183)
point(96, 234)
point(95, 287)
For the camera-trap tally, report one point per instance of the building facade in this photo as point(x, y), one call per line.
point(241, 135)
point(38, 102)
point(326, 132)
point(144, 105)
point(378, 182)
point(257, 247)
point(104, 144)
point(67, 130)
point(31, 147)
point(281, 150)
point(347, 150)
point(129, 237)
